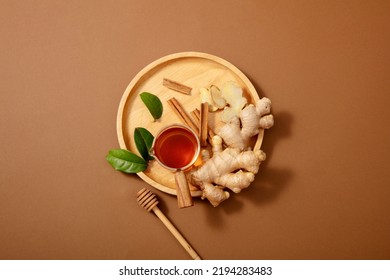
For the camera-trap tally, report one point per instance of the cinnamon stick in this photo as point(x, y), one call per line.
point(176, 86)
point(182, 114)
point(196, 116)
point(203, 129)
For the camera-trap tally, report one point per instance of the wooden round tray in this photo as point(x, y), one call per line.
point(192, 69)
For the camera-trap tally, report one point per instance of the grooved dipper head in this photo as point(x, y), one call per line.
point(146, 199)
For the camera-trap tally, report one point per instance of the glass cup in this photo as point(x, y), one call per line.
point(176, 148)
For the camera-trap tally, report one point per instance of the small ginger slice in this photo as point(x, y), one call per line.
point(233, 94)
point(216, 96)
point(205, 97)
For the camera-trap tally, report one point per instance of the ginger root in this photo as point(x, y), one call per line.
point(238, 131)
point(235, 167)
point(220, 171)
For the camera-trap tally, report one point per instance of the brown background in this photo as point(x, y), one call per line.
point(323, 192)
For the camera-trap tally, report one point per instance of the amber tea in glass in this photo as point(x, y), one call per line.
point(176, 147)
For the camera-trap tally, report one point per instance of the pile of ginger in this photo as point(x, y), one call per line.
point(233, 163)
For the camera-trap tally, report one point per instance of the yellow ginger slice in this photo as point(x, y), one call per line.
point(216, 96)
point(205, 97)
point(233, 94)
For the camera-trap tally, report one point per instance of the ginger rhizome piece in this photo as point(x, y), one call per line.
point(239, 130)
point(220, 171)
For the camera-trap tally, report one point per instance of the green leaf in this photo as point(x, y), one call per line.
point(126, 161)
point(143, 140)
point(153, 103)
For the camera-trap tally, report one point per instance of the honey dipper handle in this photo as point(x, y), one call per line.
point(176, 233)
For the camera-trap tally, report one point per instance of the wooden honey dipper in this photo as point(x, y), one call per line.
point(148, 200)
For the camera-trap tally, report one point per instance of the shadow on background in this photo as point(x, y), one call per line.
point(270, 181)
